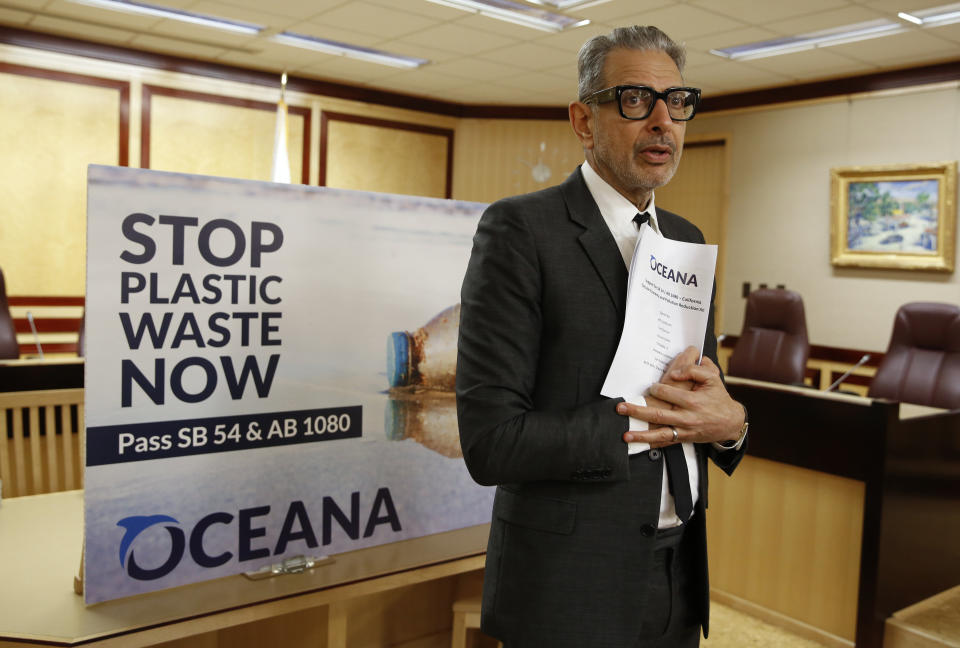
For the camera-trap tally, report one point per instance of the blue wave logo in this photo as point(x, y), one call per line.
point(137, 524)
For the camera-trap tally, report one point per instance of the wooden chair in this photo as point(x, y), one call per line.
point(41, 441)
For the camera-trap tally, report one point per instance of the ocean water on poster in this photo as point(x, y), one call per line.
point(355, 267)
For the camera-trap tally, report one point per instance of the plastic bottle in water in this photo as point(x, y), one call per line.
point(428, 356)
point(427, 417)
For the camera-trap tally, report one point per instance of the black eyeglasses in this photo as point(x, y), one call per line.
point(637, 102)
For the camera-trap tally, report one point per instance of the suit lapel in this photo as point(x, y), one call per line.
point(596, 239)
point(666, 225)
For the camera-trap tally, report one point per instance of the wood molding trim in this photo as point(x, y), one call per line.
point(829, 353)
point(326, 117)
point(915, 76)
point(921, 75)
point(45, 300)
point(780, 620)
point(123, 87)
point(150, 90)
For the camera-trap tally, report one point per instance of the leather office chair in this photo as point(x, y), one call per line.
point(922, 364)
point(8, 334)
point(773, 345)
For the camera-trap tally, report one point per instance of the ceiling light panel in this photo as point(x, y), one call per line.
point(563, 5)
point(824, 38)
point(336, 48)
point(516, 13)
point(141, 8)
point(937, 16)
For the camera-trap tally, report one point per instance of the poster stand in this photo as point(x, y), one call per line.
point(293, 565)
point(78, 579)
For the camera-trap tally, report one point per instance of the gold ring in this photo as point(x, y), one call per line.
point(676, 435)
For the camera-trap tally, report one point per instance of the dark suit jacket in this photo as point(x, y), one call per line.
point(542, 309)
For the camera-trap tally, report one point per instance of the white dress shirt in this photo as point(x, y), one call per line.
point(618, 213)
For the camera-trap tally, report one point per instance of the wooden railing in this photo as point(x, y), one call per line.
point(56, 317)
point(826, 364)
point(41, 441)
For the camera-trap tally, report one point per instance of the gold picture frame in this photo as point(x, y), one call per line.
point(898, 217)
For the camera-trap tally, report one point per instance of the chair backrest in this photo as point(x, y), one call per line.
point(773, 345)
point(922, 364)
point(8, 334)
point(41, 441)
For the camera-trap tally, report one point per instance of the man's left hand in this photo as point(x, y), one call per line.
point(706, 414)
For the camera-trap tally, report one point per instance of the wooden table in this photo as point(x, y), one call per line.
point(333, 604)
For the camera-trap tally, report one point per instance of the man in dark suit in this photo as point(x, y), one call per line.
point(591, 545)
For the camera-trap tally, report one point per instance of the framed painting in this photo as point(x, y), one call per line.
point(897, 216)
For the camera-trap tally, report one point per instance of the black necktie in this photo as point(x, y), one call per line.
point(678, 480)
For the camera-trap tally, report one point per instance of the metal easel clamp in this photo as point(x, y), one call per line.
point(292, 565)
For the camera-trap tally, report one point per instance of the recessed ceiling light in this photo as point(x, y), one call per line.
point(174, 14)
point(345, 49)
point(514, 12)
point(910, 18)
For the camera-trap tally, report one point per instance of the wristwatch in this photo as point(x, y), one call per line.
point(743, 433)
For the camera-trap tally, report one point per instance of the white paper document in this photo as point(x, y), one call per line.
point(668, 304)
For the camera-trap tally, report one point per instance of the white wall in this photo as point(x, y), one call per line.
point(779, 213)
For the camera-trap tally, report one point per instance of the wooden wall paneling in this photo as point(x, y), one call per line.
point(293, 630)
point(212, 134)
point(53, 125)
point(699, 191)
point(497, 158)
point(788, 539)
point(373, 154)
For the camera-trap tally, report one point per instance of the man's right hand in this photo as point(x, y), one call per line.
point(686, 358)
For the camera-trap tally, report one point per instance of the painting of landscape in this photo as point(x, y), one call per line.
point(896, 216)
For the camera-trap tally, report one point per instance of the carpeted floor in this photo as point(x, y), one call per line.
point(732, 629)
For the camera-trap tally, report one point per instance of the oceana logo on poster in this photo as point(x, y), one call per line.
point(253, 540)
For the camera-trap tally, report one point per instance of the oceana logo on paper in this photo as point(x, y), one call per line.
point(685, 278)
point(296, 527)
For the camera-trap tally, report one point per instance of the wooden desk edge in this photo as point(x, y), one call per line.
point(258, 611)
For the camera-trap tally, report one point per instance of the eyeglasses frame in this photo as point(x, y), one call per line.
point(613, 93)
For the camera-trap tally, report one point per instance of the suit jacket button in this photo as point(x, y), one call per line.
point(606, 472)
point(647, 531)
point(653, 455)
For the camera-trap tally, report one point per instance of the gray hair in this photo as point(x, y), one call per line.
point(593, 54)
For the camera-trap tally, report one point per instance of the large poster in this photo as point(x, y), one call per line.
point(268, 374)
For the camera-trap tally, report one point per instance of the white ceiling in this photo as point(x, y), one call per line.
point(480, 60)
